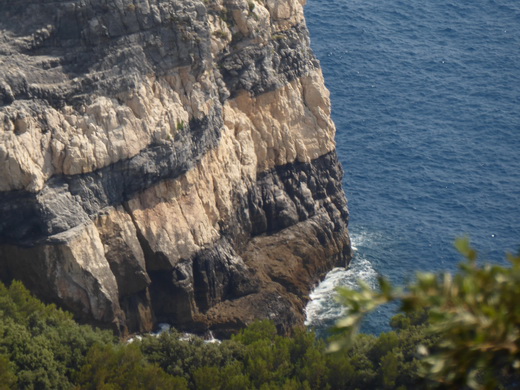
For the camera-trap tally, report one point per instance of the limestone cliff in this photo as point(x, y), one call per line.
point(167, 161)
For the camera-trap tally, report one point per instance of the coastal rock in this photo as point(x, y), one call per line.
point(167, 161)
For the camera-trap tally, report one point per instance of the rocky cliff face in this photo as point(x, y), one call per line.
point(167, 161)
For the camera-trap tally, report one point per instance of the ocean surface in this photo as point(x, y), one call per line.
point(426, 100)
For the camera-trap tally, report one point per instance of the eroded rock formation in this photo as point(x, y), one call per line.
point(167, 160)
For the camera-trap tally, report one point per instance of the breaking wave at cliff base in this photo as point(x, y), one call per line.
point(426, 101)
point(323, 310)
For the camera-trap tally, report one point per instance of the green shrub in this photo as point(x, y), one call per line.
point(8, 377)
point(473, 333)
point(123, 367)
point(43, 344)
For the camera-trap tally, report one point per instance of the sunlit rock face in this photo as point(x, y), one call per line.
point(167, 161)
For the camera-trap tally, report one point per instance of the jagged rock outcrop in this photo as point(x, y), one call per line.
point(167, 160)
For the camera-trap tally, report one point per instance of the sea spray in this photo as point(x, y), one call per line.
point(323, 310)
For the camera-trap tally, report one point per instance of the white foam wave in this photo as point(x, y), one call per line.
point(166, 328)
point(323, 308)
point(363, 239)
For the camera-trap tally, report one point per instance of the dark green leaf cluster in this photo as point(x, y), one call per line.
point(390, 361)
point(123, 367)
point(41, 347)
point(256, 358)
point(259, 358)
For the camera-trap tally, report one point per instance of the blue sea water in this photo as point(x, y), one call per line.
point(426, 100)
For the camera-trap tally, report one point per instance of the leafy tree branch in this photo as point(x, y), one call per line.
point(475, 312)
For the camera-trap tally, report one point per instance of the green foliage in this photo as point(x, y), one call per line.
point(474, 323)
point(40, 344)
point(41, 347)
point(7, 375)
point(256, 358)
point(123, 367)
point(182, 358)
point(386, 362)
point(273, 361)
point(454, 332)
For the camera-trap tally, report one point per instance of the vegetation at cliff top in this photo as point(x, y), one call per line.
point(457, 332)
